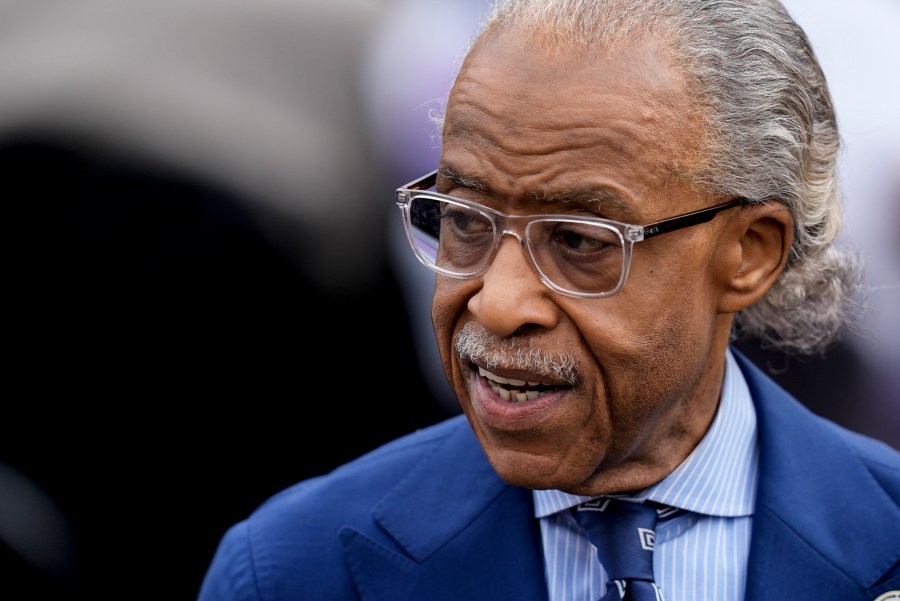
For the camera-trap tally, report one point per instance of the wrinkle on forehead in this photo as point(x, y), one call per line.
point(664, 124)
point(596, 197)
point(533, 129)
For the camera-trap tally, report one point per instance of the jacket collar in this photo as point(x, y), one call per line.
point(423, 512)
point(462, 533)
point(801, 546)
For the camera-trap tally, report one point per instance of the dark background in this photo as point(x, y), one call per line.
point(167, 368)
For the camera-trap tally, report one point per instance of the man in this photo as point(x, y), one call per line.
point(623, 187)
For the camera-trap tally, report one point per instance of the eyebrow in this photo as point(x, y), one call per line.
point(462, 181)
point(590, 198)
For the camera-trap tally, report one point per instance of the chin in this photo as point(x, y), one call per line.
point(528, 470)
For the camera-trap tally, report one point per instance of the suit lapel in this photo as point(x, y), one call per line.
point(801, 546)
point(454, 530)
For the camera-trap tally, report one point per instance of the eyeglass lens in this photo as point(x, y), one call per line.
point(576, 256)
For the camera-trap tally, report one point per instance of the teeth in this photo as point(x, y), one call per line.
point(501, 380)
point(510, 394)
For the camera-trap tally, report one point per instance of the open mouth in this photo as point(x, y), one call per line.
point(515, 391)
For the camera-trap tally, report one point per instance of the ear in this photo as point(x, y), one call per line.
point(754, 252)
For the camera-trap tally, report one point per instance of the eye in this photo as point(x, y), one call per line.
point(464, 221)
point(583, 239)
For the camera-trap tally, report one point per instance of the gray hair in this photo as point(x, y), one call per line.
point(770, 135)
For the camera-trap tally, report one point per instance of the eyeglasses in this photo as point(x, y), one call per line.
point(582, 257)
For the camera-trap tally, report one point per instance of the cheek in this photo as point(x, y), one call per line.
point(671, 291)
point(650, 343)
point(450, 299)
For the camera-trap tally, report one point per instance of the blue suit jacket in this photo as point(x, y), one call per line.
point(425, 517)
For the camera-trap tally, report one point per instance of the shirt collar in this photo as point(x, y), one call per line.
point(717, 478)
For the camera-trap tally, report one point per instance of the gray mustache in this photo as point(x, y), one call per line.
point(476, 344)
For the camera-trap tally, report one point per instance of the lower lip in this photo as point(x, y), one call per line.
point(496, 413)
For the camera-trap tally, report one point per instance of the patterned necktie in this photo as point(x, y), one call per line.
point(623, 533)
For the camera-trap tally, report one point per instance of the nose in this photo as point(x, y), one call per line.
point(512, 295)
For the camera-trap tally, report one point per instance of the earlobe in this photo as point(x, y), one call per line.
point(757, 242)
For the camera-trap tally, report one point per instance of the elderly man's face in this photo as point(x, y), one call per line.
point(526, 131)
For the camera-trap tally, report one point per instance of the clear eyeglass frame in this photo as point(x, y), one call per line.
point(628, 233)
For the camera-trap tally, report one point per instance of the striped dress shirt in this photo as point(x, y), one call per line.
point(701, 554)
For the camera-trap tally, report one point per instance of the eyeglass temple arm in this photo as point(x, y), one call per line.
point(423, 183)
point(689, 219)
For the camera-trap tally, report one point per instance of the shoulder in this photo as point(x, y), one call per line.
point(881, 460)
point(793, 428)
point(827, 497)
point(357, 485)
point(289, 546)
point(780, 412)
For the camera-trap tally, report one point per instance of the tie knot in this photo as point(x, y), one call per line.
point(623, 533)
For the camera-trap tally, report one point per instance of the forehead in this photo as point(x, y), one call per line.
point(535, 115)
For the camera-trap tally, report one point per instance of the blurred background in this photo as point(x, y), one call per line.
point(202, 250)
